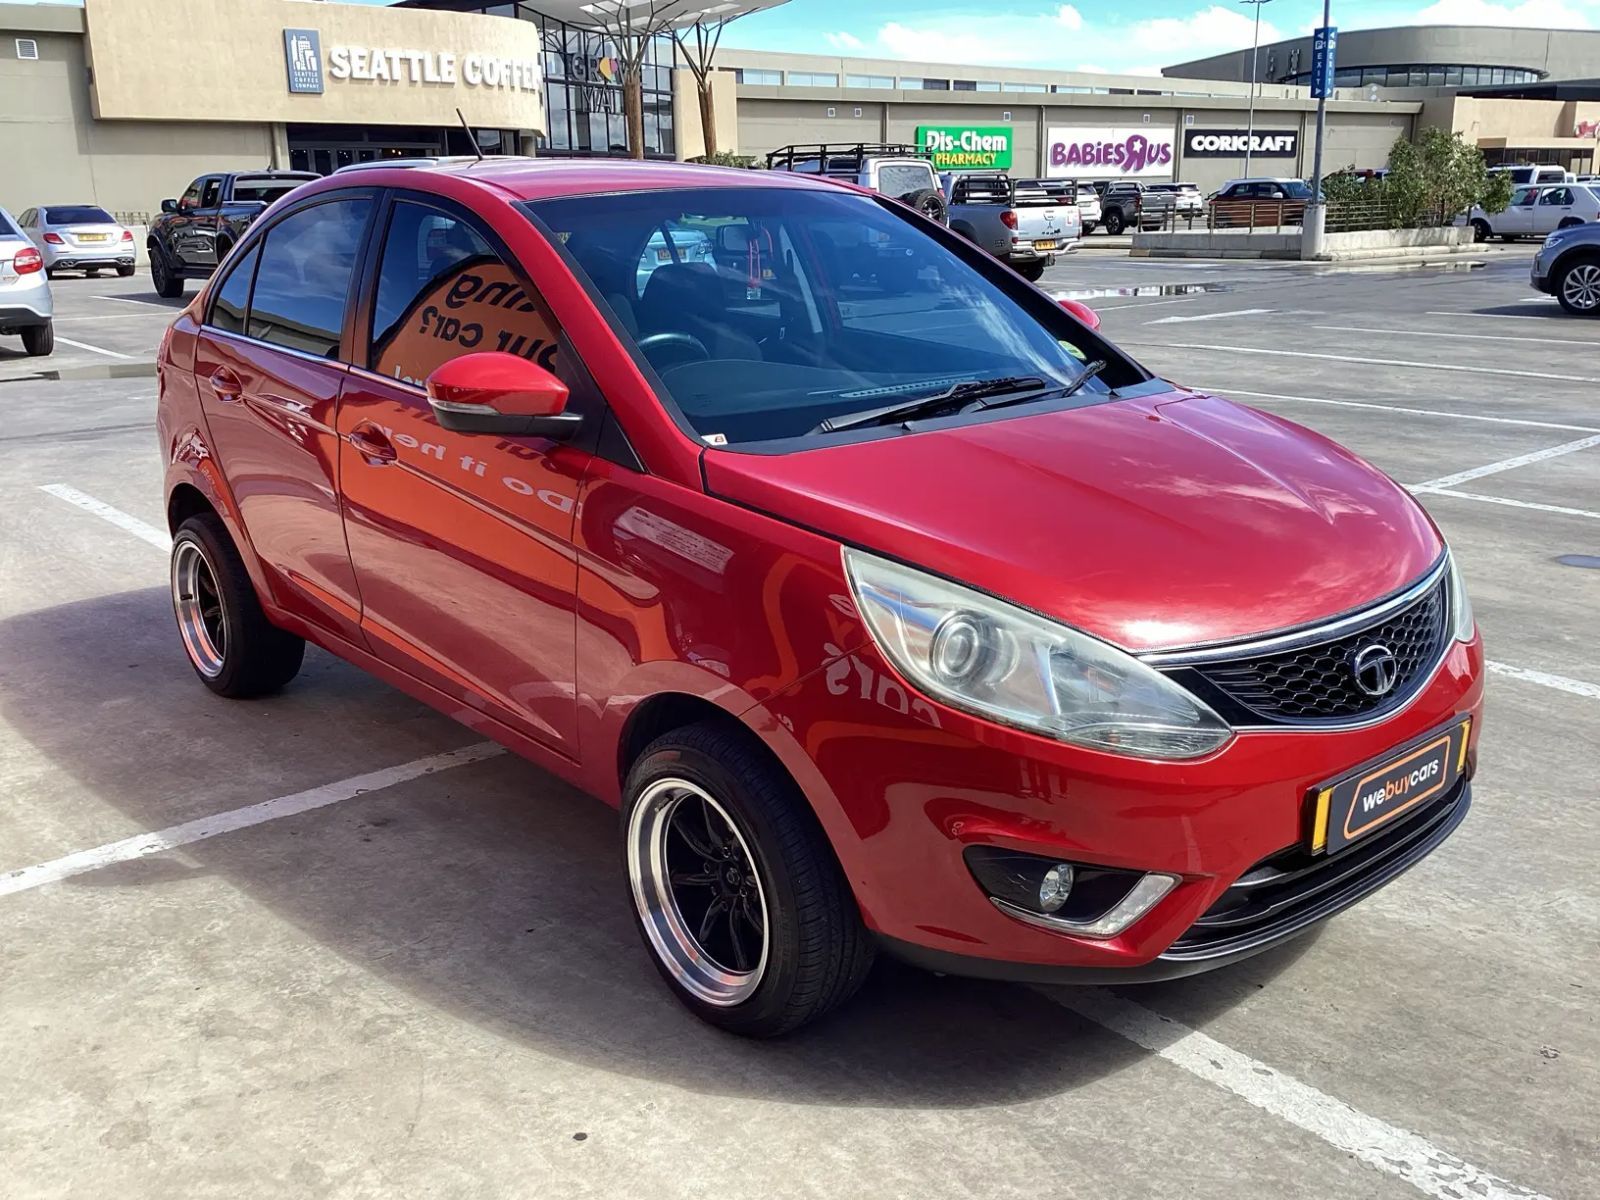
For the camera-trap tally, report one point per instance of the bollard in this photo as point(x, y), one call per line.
point(1312, 227)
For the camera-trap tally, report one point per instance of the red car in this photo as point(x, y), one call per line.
point(893, 605)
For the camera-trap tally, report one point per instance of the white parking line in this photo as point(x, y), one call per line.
point(148, 303)
point(1561, 509)
point(1507, 464)
point(198, 830)
point(1376, 362)
point(1091, 301)
point(1216, 316)
point(1471, 337)
point(142, 530)
point(1390, 1149)
point(1415, 412)
point(93, 349)
point(1561, 683)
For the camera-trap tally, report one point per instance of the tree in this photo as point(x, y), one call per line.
point(1438, 176)
point(699, 44)
point(631, 28)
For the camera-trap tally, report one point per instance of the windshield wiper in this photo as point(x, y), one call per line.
point(1085, 373)
point(1018, 387)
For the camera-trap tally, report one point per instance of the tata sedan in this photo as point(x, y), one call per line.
point(894, 607)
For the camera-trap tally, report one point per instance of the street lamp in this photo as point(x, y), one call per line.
point(1255, 49)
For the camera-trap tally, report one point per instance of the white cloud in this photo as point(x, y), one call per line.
point(1530, 14)
point(1069, 17)
point(845, 41)
point(1214, 30)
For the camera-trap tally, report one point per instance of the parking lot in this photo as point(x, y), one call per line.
point(331, 945)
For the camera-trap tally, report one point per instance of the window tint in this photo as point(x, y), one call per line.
point(262, 191)
point(211, 192)
point(79, 214)
point(1524, 196)
point(229, 309)
point(443, 292)
point(899, 180)
point(191, 198)
point(1559, 195)
point(303, 281)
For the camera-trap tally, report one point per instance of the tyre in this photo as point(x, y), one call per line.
point(231, 645)
point(1031, 271)
point(168, 285)
point(124, 271)
point(1577, 286)
point(1089, 227)
point(1569, 222)
point(1508, 237)
point(1480, 230)
point(91, 272)
point(738, 897)
point(930, 203)
point(39, 340)
point(1114, 222)
point(49, 272)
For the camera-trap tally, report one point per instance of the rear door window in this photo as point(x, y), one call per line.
point(303, 282)
point(230, 310)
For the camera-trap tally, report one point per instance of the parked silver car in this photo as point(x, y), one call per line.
point(79, 237)
point(1567, 267)
point(25, 304)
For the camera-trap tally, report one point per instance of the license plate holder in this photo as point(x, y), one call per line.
point(94, 237)
point(1360, 802)
point(1045, 244)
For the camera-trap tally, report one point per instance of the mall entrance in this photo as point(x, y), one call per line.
point(326, 148)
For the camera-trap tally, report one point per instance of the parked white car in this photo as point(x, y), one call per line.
point(25, 304)
point(79, 237)
point(1535, 211)
point(1528, 174)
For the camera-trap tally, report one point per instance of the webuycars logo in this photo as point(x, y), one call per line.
point(1109, 152)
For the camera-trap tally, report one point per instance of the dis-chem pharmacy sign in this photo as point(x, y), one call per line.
point(967, 147)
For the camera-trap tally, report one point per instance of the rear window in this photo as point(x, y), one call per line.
point(77, 214)
point(901, 179)
point(264, 191)
point(8, 227)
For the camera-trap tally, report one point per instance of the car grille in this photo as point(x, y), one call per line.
point(1316, 683)
point(1292, 889)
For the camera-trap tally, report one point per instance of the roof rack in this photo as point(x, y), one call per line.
point(841, 156)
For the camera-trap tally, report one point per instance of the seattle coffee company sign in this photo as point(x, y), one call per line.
point(1232, 143)
point(401, 67)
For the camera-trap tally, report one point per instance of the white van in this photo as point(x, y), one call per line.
point(1525, 175)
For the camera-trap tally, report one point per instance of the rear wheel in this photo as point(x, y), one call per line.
point(168, 285)
point(92, 272)
point(1114, 222)
point(1089, 227)
point(1480, 230)
point(736, 892)
point(1578, 287)
point(39, 340)
point(1569, 222)
point(1031, 271)
point(231, 645)
point(125, 271)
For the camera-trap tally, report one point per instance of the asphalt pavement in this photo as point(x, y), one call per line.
point(412, 972)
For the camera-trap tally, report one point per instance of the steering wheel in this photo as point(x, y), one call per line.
point(686, 348)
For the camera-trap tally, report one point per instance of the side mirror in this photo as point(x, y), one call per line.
point(500, 393)
point(1082, 311)
point(169, 206)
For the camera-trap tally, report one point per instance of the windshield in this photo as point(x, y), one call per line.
point(776, 308)
point(264, 191)
point(1297, 190)
point(78, 214)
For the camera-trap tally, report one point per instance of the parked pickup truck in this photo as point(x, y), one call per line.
point(195, 232)
point(1023, 222)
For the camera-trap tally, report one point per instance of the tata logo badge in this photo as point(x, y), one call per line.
point(302, 55)
point(1376, 670)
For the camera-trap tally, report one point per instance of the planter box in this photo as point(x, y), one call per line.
point(1337, 247)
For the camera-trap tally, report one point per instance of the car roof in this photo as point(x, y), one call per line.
point(542, 178)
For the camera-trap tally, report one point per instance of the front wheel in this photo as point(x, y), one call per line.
point(231, 645)
point(168, 284)
point(39, 340)
point(1114, 222)
point(1578, 288)
point(736, 892)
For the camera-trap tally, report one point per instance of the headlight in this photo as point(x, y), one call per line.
point(1558, 236)
point(1013, 666)
point(1461, 623)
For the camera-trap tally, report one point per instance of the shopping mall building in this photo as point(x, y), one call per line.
point(122, 102)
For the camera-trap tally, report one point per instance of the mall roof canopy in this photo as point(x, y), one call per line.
point(608, 14)
point(1547, 89)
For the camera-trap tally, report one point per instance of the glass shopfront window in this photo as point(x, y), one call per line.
point(583, 94)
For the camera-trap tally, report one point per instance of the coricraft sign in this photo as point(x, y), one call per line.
point(1108, 152)
point(1232, 143)
point(967, 147)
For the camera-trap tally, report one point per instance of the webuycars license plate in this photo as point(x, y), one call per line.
point(1354, 805)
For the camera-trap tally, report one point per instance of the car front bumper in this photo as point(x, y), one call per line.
point(1539, 273)
point(904, 786)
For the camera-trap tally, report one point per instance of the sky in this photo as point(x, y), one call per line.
point(1089, 37)
point(1139, 39)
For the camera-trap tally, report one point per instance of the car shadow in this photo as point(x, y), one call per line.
point(494, 893)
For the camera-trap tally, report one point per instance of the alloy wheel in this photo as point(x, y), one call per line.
point(1581, 287)
point(202, 622)
point(698, 892)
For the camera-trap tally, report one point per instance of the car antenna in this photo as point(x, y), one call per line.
point(468, 129)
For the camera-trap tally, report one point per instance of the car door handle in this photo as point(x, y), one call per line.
point(372, 444)
point(225, 384)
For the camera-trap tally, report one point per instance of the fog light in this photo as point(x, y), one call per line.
point(1055, 887)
